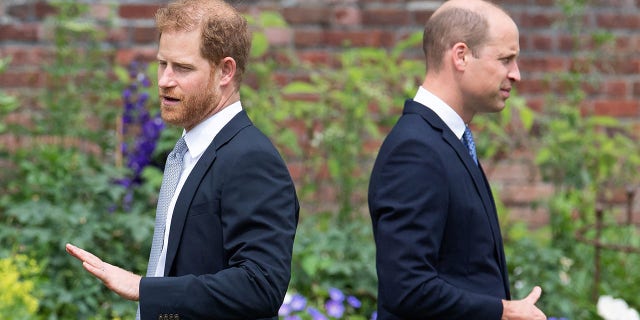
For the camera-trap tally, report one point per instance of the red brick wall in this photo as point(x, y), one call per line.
point(318, 28)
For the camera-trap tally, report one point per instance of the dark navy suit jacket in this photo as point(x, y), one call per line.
point(232, 231)
point(439, 249)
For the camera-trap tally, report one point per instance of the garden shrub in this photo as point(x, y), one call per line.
point(59, 192)
point(18, 297)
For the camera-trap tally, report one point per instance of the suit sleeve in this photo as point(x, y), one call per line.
point(409, 199)
point(259, 212)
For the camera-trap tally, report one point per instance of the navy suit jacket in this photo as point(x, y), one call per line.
point(232, 231)
point(439, 249)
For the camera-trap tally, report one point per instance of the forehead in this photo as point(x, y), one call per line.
point(180, 46)
point(504, 37)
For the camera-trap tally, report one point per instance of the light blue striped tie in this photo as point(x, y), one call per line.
point(467, 139)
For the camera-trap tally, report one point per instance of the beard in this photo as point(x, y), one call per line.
point(193, 108)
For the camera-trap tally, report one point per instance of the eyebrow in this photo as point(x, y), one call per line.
point(176, 63)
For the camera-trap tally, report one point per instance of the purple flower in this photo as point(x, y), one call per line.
point(140, 143)
point(334, 308)
point(316, 314)
point(354, 302)
point(293, 317)
point(298, 302)
point(285, 310)
point(374, 315)
point(336, 295)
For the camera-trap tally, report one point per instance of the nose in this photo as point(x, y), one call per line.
point(514, 72)
point(165, 77)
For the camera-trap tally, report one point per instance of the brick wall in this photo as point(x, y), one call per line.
point(318, 28)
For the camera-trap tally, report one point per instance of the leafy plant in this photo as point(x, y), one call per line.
point(589, 160)
point(80, 91)
point(60, 192)
point(328, 122)
point(507, 130)
point(343, 115)
point(60, 195)
point(7, 103)
point(18, 298)
point(329, 303)
point(329, 255)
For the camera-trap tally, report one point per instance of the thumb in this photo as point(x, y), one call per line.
point(534, 295)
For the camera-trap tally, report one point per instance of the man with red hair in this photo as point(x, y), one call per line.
point(225, 225)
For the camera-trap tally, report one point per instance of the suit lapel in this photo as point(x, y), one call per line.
point(192, 183)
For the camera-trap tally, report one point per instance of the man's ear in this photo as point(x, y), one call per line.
point(460, 55)
point(227, 67)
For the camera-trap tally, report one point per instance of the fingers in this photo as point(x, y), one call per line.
point(90, 262)
point(73, 250)
point(118, 280)
point(534, 295)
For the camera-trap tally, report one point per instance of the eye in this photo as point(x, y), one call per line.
point(507, 60)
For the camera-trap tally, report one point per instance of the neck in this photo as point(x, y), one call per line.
point(441, 87)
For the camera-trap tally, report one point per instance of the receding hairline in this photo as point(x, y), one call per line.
point(484, 8)
point(197, 15)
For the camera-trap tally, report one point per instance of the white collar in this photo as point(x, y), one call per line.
point(201, 136)
point(442, 109)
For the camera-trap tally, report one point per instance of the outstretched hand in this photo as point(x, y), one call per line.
point(524, 309)
point(124, 283)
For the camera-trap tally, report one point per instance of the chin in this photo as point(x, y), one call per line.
point(170, 117)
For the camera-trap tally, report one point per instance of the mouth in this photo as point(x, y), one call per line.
point(506, 92)
point(169, 100)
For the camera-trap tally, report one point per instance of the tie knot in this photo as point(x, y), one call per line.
point(467, 136)
point(467, 139)
point(180, 149)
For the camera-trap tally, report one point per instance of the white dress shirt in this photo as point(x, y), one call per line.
point(443, 110)
point(197, 139)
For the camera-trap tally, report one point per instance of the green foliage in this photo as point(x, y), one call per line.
point(7, 103)
point(18, 298)
point(54, 193)
point(327, 255)
point(616, 280)
point(337, 112)
point(329, 303)
point(80, 89)
point(507, 130)
point(58, 195)
point(588, 159)
point(564, 284)
point(586, 152)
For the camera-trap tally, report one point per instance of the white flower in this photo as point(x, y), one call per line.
point(287, 298)
point(610, 308)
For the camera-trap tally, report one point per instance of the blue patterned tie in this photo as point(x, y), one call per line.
point(172, 171)
point(467, 139)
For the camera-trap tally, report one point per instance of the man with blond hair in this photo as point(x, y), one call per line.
point(439, 249)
